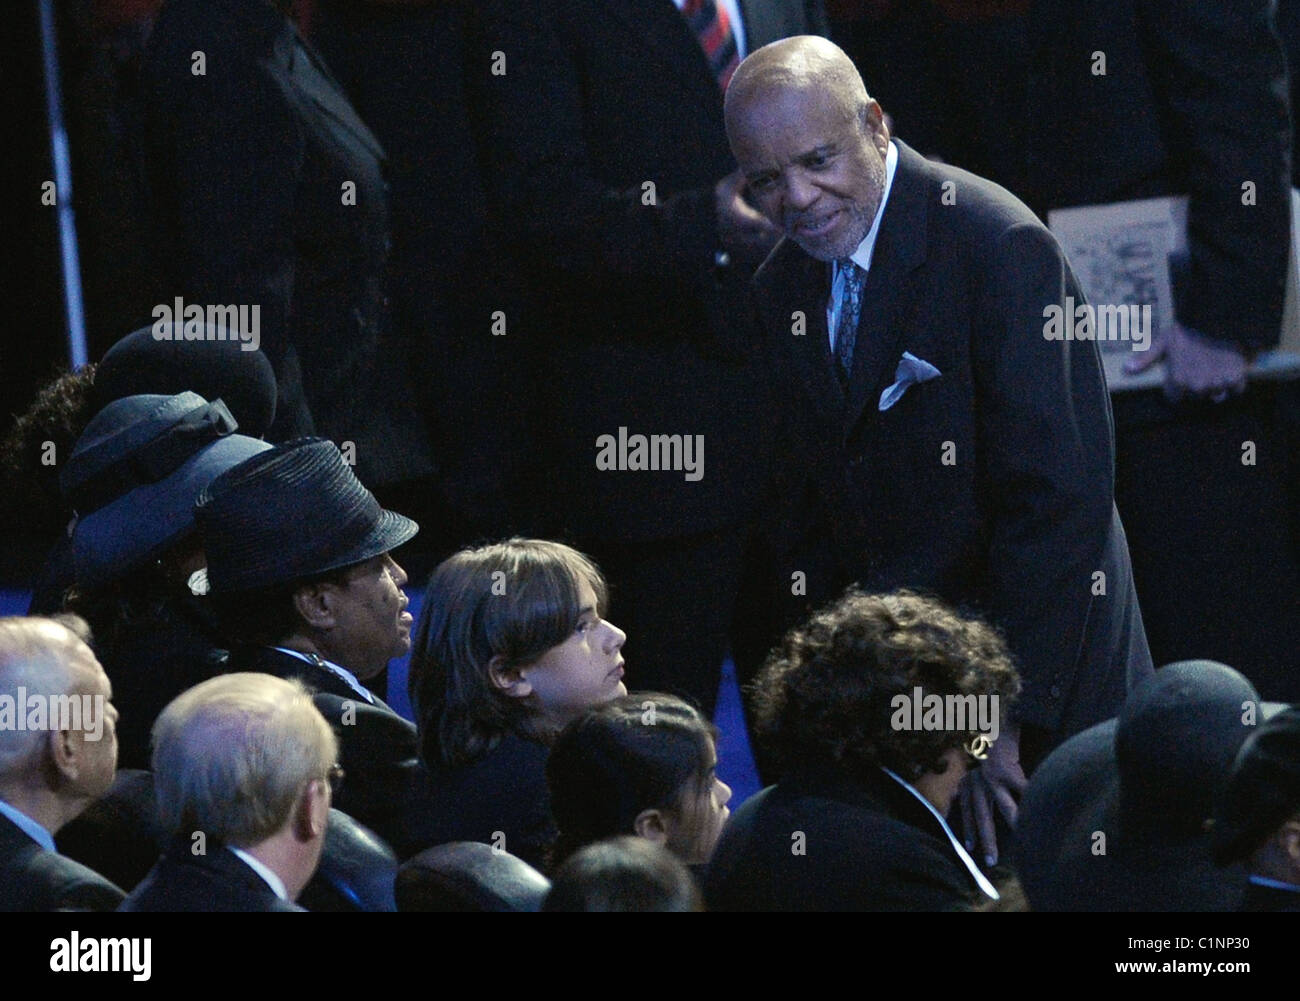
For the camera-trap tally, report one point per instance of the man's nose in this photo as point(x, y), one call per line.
point(397, 573)
point(800, 192)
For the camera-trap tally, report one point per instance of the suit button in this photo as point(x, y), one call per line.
point(1056, 691)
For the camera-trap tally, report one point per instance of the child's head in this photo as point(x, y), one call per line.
point(510, 640)
point(643, 764)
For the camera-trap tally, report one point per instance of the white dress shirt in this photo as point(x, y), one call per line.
point(346, 676)
point(271, 879)
point(29, 827)
point(862, 256)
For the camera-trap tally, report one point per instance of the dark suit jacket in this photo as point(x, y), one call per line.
point(218, 880)
point(249, 168)
point(34, 879)
point(866, 846)
point(601, 144)
point(1193, 101)
point(1021, 516)
point(504, 791)
point(385, 786)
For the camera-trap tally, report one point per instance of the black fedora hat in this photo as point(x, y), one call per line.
point(1263, 788)
point(134, 473)
point(1115, 819)
point(294, 511)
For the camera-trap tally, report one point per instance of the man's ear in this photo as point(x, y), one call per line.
point(312, 813)
point(65, 753)
point(651, 825)
point(508, 680)
point(314, 605)
point(876, 126)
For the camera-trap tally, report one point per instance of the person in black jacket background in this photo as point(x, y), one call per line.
point(622, 229)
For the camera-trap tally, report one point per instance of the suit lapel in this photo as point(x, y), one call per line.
point(804, 281)
point(310, 75)
point(900, 249)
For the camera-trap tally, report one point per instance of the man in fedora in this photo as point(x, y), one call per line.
point(1116, 818)
point(132, 479)
point(1258, 820)
point(300, 573)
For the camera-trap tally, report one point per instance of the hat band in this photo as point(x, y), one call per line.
point(158, 458)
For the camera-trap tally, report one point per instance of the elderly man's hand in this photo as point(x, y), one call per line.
point(1195, 365)
point(745, 231)
point(996, 784)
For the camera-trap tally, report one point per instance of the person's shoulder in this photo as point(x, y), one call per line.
point(212, 880)
point(54, 882)
point(961, 199)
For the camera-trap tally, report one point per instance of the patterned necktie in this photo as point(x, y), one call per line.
point(712, 27)
point(846, 330)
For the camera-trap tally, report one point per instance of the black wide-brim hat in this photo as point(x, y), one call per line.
point(1113, 819)
point(293, 512)
point(134, 474)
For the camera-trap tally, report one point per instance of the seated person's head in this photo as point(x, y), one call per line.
point(623, 874)
point(854, 689)
point(1258, 815)
point(299, 556)
point(58, 726)
point(245, 761)
point(642, 765)
point(511, 640)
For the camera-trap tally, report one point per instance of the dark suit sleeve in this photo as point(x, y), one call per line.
point(543, 177)
point(1219, 73)
point(74, 887)
point(1045, 430)
point(231, 151)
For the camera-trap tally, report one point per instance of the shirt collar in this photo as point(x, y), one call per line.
point(29, 827)
point(862, 256)
point(272, 880)
point(342, 673)
point(980, 879)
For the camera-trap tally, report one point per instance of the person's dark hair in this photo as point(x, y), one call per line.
point(58, 415)
point(623, 874)
point(515, 599)
point(643, 751)
point(135, 602)
point(825, 695)
point(266, 616)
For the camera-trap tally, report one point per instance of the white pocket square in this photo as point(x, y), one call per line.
point(911, 370)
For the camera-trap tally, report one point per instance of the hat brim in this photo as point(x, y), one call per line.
point(117, 538)
point(391, 530)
